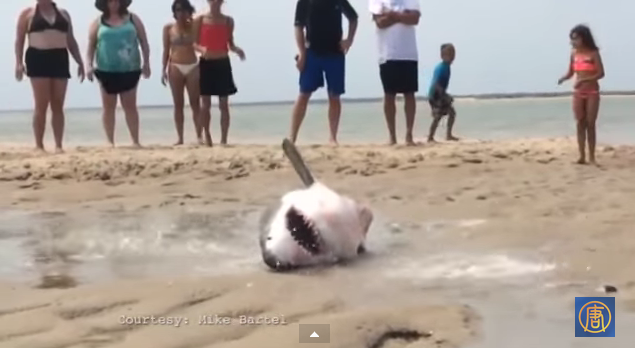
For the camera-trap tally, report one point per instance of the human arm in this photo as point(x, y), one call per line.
point(73, 47)
point(301, 12)
point(351, 15)
point(408, 17)
point(300, 22)
point(384, 20)
point(569, 73)
point(20, 38)
point(143, 40)
point(166, 53)
point(232, 44)
point(411, 13)
point(92, 46)
point(196, 29)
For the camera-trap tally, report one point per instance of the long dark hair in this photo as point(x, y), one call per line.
point(184, 5)
point(102, 5)
point(584, 33)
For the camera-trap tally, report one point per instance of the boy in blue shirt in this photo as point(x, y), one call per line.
point(438, 97)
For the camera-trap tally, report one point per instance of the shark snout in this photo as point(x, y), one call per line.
point(273, 262)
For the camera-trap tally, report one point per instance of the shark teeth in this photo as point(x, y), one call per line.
point(303, 231)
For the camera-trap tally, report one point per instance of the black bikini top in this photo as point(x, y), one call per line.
point(39, 23)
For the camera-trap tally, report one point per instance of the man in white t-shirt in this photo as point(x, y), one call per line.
point(398, 58)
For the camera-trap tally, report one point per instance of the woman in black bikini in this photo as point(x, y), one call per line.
point(50, 35)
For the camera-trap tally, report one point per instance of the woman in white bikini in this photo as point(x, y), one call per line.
point(180, 66)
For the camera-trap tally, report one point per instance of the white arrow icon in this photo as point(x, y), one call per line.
point(314, 334)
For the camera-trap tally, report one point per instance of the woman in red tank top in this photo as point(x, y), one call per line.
point(214, 40)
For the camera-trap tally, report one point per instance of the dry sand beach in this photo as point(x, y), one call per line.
point(475, 244)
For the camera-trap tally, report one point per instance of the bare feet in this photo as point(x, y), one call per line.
point(208, 140)
point(136, 146)
point(451, 138)
point(581, 161)
point(333, 142)
point(178, 142)
point(59, 150)
point(40, 149)
point(431, 140)
point(409, 140)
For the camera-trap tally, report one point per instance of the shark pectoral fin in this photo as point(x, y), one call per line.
point(263, 224)
point(365, 218)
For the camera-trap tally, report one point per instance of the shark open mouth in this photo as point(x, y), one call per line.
point(303, 231)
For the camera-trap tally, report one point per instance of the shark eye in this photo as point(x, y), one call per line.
point(303, 231)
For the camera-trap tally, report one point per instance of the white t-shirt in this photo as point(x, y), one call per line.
point(399, 41)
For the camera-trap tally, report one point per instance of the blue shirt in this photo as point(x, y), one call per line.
point(441, 77)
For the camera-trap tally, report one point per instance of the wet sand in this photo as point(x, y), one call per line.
point(475, 244)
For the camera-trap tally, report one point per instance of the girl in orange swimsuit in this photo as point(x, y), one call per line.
point(586, 64)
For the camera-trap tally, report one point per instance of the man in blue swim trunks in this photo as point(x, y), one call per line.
point(440, 101)
point(321, 55)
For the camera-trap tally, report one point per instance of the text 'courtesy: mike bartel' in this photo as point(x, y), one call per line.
point(206, 320)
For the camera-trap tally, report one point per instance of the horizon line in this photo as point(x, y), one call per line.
point(480, 96)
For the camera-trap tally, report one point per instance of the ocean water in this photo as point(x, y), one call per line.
point(362, 122)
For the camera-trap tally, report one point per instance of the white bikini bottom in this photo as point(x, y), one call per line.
point(185, 69)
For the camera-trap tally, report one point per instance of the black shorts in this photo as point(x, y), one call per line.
point(216, 78)
point(51, 63)
point(118, 82)
point(441, 105)
point(399, 76)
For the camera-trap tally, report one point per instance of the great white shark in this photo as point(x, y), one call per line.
point(312, 226)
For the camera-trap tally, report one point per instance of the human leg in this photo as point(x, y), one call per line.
point(387, 77)
point(390, 114)
point(223, 107)
point(451, 118)
point(206, 117)
point(437, 113)
point(334, 72)
point(42, 98)
point(129, 104)
point(579, 111)
point(311, 78)
point(410, 109)
point(407, 72)
point(225, 87)
point(194, 95)
point(592, 109)
point(207, 88)
point(177, 87)
point(299, 111)
point(58, 96)
point(109, 107)
point(46, 69)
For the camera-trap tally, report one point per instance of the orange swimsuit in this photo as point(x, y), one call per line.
point(583, 62)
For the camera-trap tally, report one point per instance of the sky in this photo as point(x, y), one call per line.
point(503, 46)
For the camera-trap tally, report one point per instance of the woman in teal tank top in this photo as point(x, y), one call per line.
point(117, 40)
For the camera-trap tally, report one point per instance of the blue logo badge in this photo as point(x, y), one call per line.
point(595, 317)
